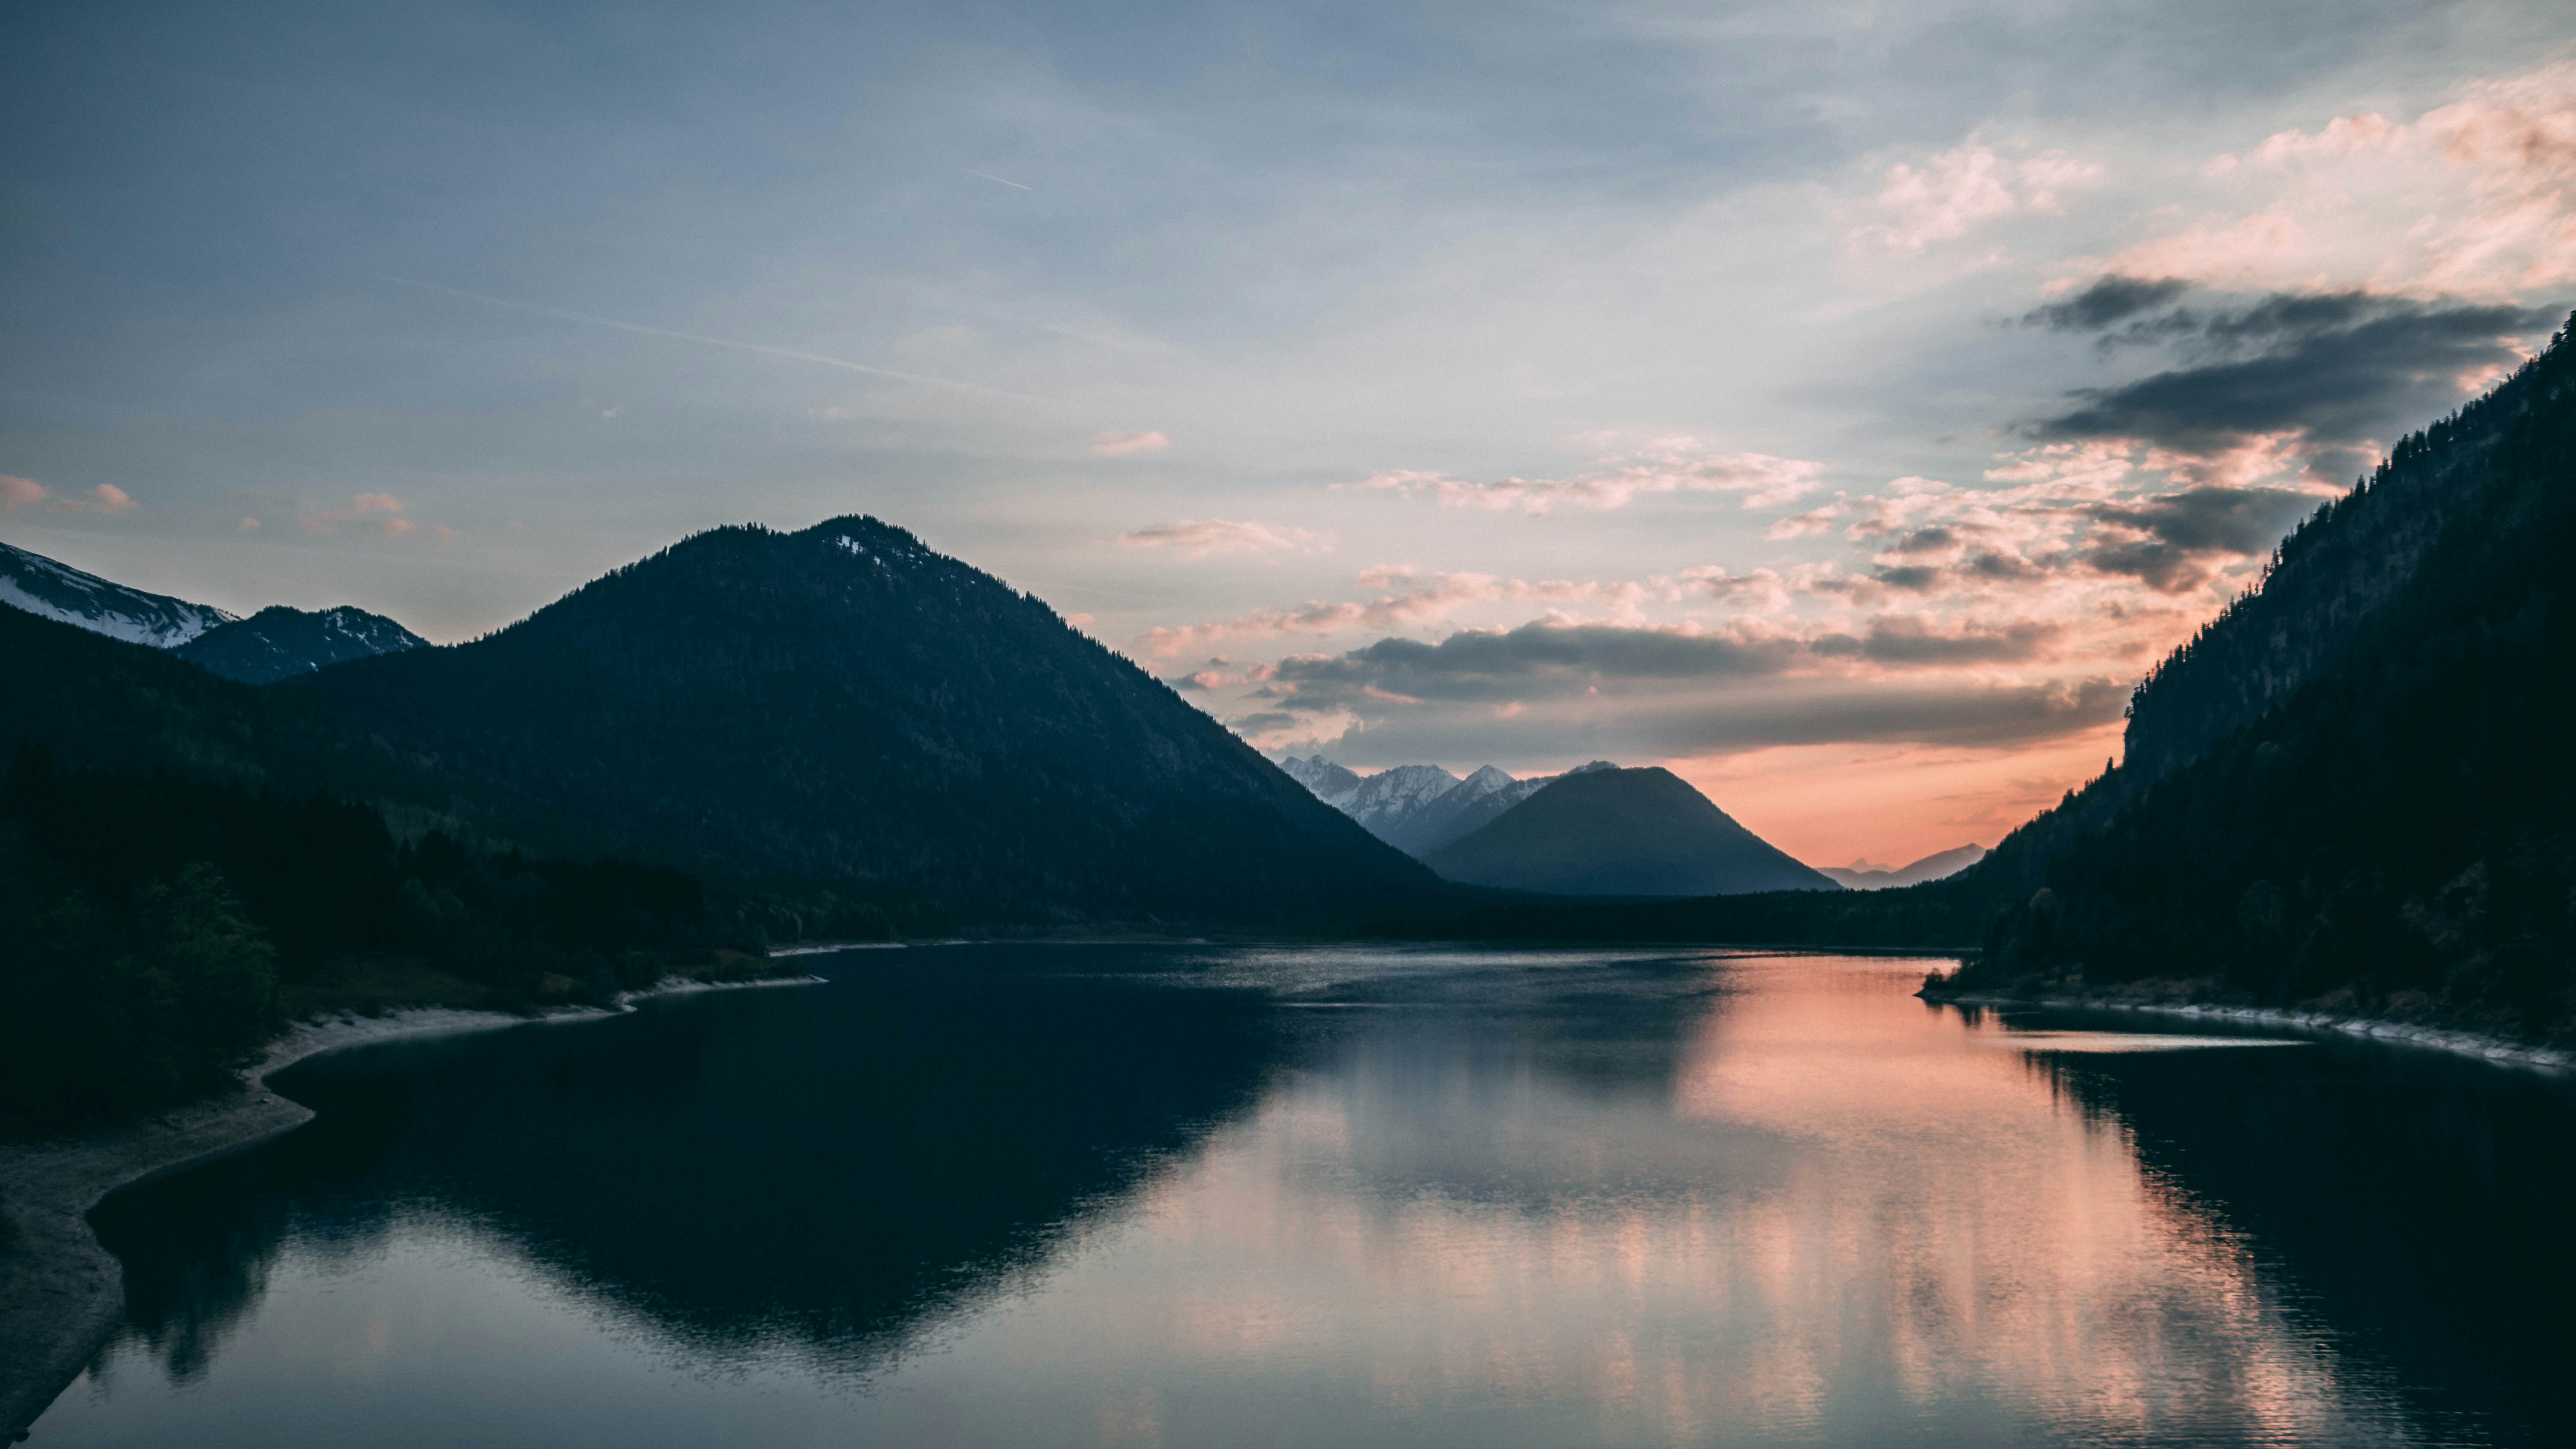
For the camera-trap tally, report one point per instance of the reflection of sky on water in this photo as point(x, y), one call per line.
point(1555, 1200)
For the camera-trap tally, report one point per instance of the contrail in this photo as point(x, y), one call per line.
point(989, 176)
point(562, 314)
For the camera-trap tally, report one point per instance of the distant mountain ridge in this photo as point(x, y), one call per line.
point(1614, 832)
point(279, 642)
point(276, 643)
point(1419, 808)
point(1937, 866)
point(57, 591)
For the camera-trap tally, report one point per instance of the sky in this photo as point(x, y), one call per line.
point(1839, 404)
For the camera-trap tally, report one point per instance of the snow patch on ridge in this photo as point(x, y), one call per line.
point(51, 590)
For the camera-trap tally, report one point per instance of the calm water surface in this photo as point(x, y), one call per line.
point(1122, 1196)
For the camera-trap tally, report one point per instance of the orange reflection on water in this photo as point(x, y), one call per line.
point(1829, 1213)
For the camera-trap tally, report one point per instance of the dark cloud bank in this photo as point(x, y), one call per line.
point(1620, 689)
point(2337, 367)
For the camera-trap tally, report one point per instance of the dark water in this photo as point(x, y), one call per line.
point(1105, 1195)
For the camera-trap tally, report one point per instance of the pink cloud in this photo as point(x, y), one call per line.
point(380, 511)
point(2474, 198)
point(1955, 192)
point(1128, 445)
point(1805, 525)
point(17, 493)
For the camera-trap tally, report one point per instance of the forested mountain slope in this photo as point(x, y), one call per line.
point(844, 705)
point(2353, 557)
point(2399, 831)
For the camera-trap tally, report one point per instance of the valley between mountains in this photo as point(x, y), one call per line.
point(2348, 789)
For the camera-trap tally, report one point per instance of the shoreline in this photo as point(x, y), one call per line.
point(2499, 1051)
point(62, 1294)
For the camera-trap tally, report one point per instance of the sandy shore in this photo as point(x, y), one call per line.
point(2494, 1049)
point(62, 1294)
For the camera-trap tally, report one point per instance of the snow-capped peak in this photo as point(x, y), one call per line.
point(57, 591)
point(1399, 791)
point(1329, 782)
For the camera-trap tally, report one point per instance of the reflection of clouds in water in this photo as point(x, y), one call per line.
point(1557, 1198)
point(1839, 1221)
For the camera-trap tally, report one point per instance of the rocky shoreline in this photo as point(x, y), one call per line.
point(2499, 1050)
point(62, 1294)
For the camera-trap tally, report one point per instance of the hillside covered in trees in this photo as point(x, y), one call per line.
point(2398, 833)
point(842, 709)
point(157, 928)
point(841, 732)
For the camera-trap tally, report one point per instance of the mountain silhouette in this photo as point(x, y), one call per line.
point(1931, 867)
point(279, 642)
point(1614, 832)
point(842, 705)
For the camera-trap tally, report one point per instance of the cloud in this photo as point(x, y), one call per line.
point(1534, 660)
point(1438, 597)
point(2213, 519)
point(1201, 537)
point(380, 511)
point(2328, 368)
point(1762, 591)
point(2110, 299)
point(249, 524)
point(1906, 640)
point(1545, 659)
point(1805, 525)
point(17, 493)
point(1128, 445)
point(2071, 515)
point(1956, 191)
point(2477, 197)
point(1720, 716)
point(1678, 465)
point(2172, 543)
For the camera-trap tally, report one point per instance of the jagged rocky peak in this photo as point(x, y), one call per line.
point(1404, 786)
point(1330, 782)
point(57, 591)
point(1420, 808)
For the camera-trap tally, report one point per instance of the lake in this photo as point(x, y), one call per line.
point(1115, 1195)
